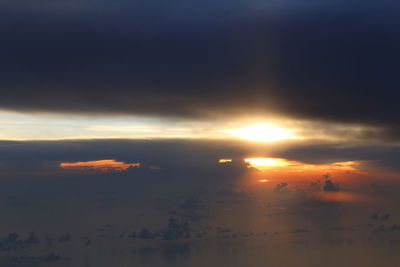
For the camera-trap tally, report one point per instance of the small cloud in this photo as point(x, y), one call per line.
point(32, 239)
point(382, 217)
point(327, 175)
point(221, 161)
point(281, 188)
point(145, 234)
point(177, 229)
point(65, 238)
point(88, 241)
point(10, 242)
point(330, 186)
point(315, 186)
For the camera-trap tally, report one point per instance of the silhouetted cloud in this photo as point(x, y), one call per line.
point(10, 242)
point(330, 186)
point(32, 239)
point(65, 238)
point(382, 217)
point(176, 230)
point(145, 234)
point(281, 188)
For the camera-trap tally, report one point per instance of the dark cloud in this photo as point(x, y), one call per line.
point(330, 186)
point(281, 188)
point(179, 158)
point(65, 238)
point(11, 242)
point(145, 234)
point(177, 229)
point(32, 239)
point(330, 60)
point(382, 217)
point(382, 156)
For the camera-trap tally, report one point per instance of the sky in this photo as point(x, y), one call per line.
point(192, 133)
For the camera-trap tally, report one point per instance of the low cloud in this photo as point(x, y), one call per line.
point(101, 165)
point(281, 188)
point(330, 186)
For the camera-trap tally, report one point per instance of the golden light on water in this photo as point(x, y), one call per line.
point(263, 133)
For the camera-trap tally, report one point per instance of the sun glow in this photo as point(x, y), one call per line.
point(263, 133)
point(279, 164)
point(267, 162)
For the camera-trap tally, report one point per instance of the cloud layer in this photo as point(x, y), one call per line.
point(329, 60)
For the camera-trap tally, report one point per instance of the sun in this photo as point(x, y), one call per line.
point(263, 133)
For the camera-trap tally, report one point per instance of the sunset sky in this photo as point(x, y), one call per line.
point(195, 133)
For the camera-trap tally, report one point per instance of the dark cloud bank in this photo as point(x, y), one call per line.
point(31, 156)
point(330, 60)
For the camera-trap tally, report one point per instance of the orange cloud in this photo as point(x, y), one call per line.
point(101, 165)
point(225, 160)
point(278, 164)
point(270, 170)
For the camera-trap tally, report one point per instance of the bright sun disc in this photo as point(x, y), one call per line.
point(263, 133)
